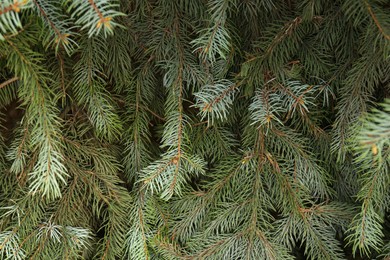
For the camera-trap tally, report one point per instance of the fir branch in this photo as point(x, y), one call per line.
point(215, 99)
point(9, 14)
point(89, 89)
point(137, 155)
point(139, 233)
point(355, 96)
point(216, 39)
point(58, 24)
point(49, 169)
point(169, 174)
point(95, 15)
point(372, 160)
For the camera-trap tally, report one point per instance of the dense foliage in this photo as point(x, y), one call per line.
point(195, 129)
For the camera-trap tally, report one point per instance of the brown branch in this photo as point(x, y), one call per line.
point(376, 21)
point(179, 85)
point(8, 82)
point(6, 10)
point(160, 170)
point(11, 7)
point(105, 21)
point(216, 100)
point(199, 123)
point(92, 3)
point(62, 74)
point(147, 109)
point(141, 221)
point(286, 31)
point(46, 17)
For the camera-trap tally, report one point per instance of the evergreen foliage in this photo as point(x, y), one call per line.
point(195, 129)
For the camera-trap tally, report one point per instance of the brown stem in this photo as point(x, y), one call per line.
point(6, 83)
point(376, 21)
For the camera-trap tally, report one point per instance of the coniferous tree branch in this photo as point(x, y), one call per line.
point(95, 97)
point(216, 39)
point(194, 129)
point(372, 161)
point(59, 25)
point(9, 14)
point(95, 15)
point(49, 170)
